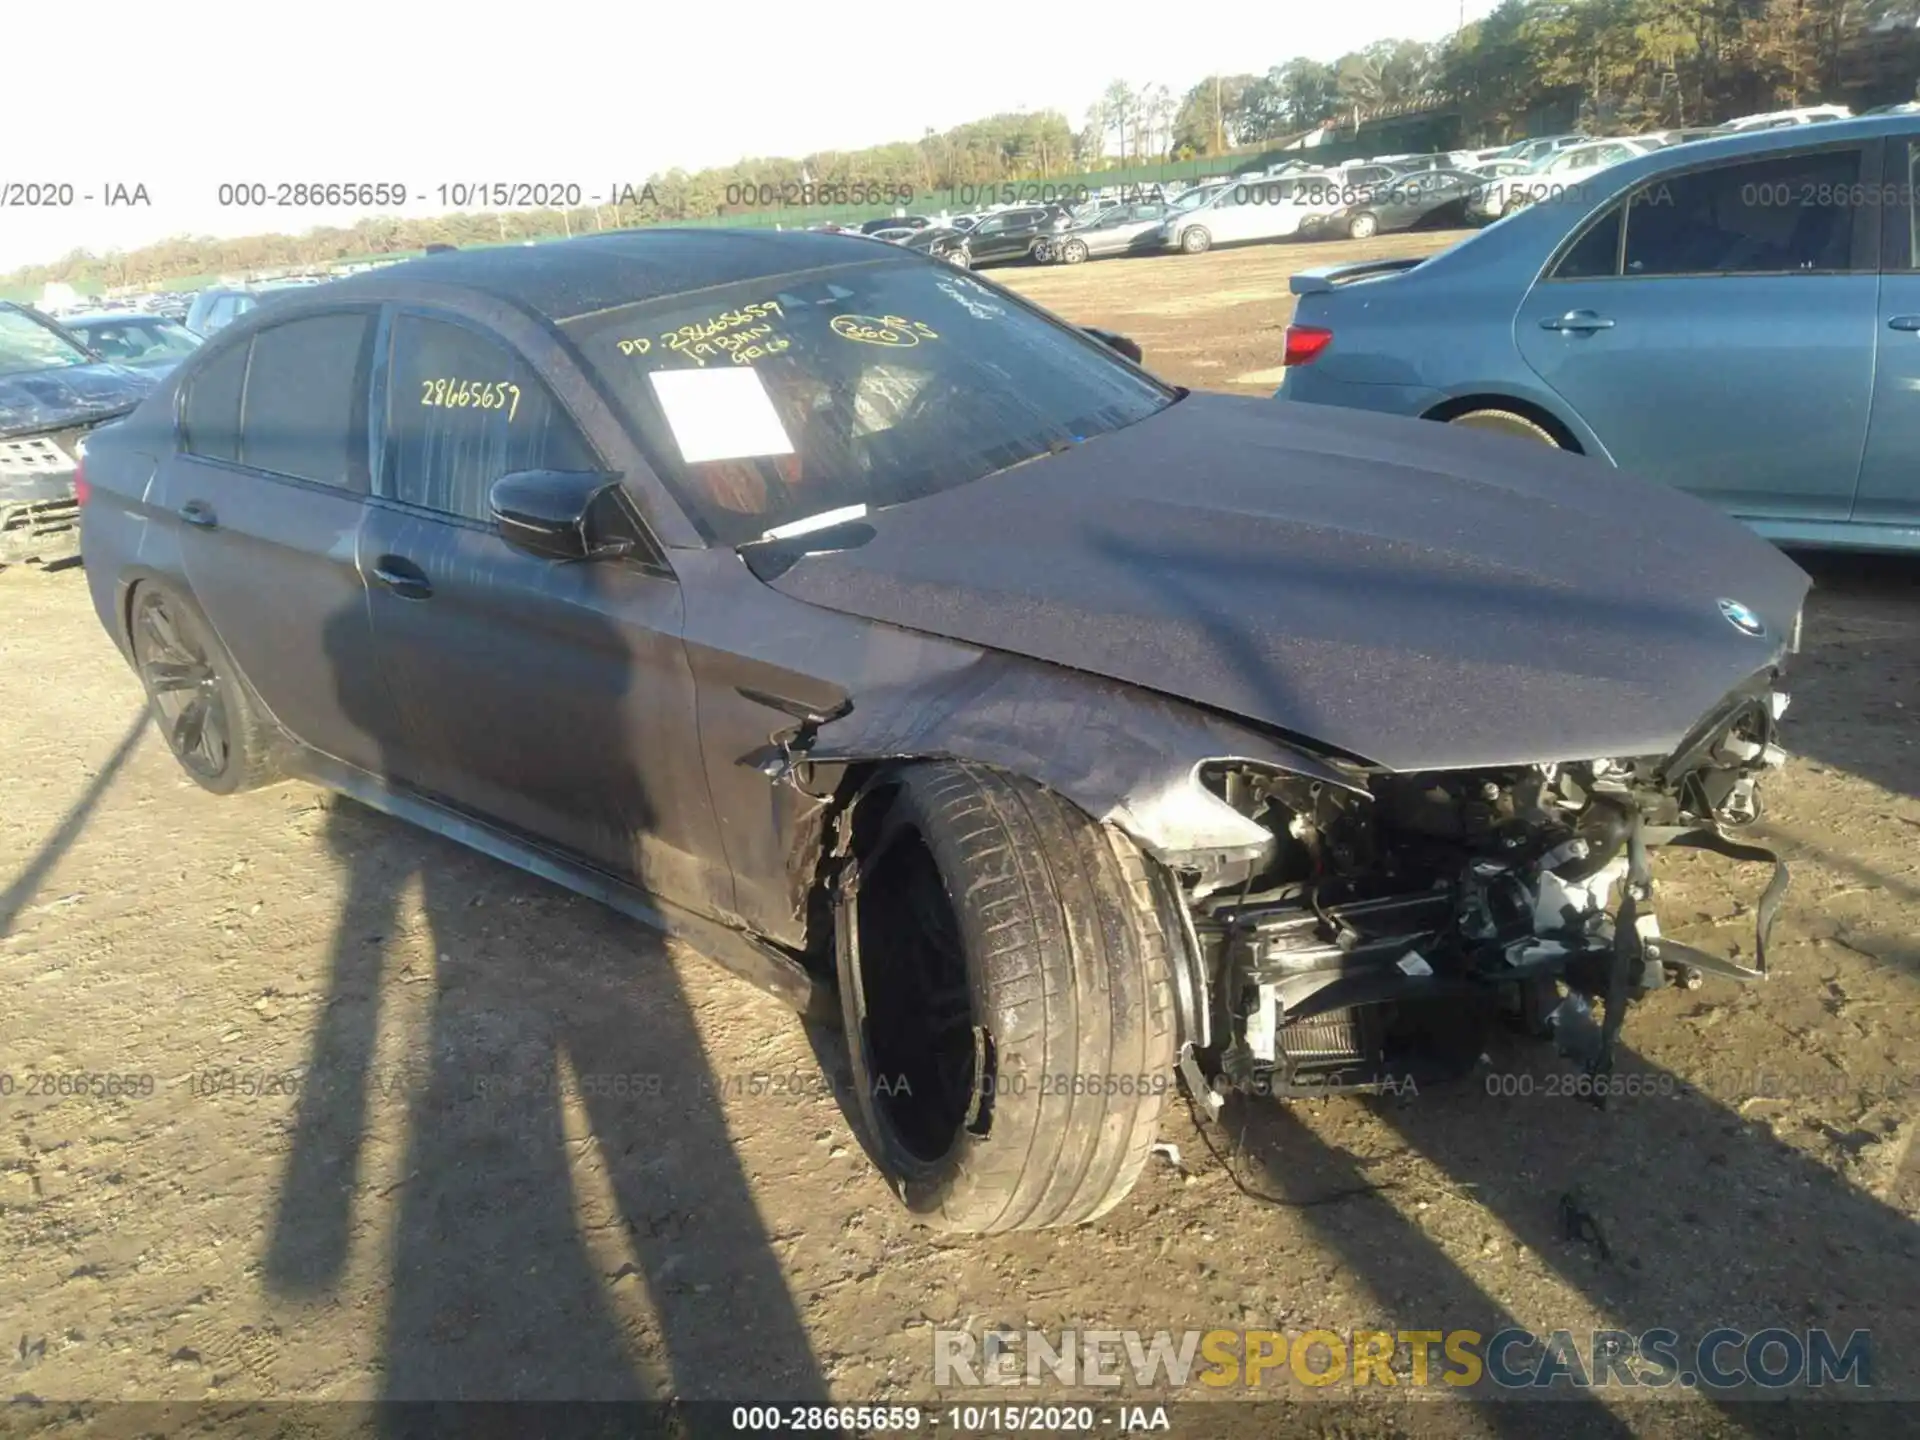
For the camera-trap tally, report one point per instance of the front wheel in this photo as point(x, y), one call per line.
point(960, 259)
point(1195, 240)
point(1007, 986)
point(1073, 252)
point(1362, 227)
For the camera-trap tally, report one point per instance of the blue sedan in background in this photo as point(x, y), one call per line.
point(1739, 318)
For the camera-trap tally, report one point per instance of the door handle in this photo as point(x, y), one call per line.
point(1904, 322)
point(1580, 321)
point(199, 512)
point(403, 577)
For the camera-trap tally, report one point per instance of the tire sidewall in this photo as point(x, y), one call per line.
point(1511, 424)
point(922, 1185)
point(940, 1192)
point(1196, 240)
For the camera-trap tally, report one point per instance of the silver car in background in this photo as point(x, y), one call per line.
point(1116, 230)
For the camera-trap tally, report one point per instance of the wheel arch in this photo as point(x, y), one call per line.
point(1577, 441)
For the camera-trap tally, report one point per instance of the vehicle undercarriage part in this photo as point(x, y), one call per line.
point(1379, 936)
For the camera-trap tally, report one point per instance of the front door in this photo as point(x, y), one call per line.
point(267, 500)
point(554, 699)
point(1726, 347)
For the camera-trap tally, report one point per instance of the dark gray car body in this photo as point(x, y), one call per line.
point(1308, 590)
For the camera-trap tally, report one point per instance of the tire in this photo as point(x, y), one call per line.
point(186, 671)
point(960, 259)
point(1195, 240)
point(1507, 422)
point(1073, 252)
point(1362, 227)
point(997, 951)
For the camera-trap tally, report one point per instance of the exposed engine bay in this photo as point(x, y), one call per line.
point(1382, 934)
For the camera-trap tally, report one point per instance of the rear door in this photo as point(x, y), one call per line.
point(554, 699)
point(1890, 477)
point(1716, 329)
point(268, 491)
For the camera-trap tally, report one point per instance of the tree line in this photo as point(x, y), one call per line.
point(1617, 65)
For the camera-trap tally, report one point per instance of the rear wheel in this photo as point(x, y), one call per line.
point(1007, 990)
point(1195, 239)
point(1362, 227)
point(1073, 252)
point(960, 258)
point(1507, 422)
point(194, 690)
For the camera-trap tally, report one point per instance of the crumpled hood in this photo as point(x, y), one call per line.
point(1417, 595)
point(70, 395)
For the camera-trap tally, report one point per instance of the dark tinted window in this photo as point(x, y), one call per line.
point(462, 411)
point(212, 410)
point(1594, 254)
point(1782, 214)
point(305, 409)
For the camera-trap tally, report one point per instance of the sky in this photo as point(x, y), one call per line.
point(184, 97)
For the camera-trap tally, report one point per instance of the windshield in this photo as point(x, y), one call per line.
point(870, 384)
point(135, 340)
point(26, 344)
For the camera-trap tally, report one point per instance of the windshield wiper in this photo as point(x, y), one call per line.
point(826, 519)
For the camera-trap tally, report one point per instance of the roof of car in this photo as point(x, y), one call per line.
point(564, 278)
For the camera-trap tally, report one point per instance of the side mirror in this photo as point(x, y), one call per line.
point(1116, 341)
point(558, 514)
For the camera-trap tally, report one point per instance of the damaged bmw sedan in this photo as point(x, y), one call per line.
point(1074, 737)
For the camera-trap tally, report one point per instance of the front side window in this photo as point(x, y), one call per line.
point(871, 384)
point(1781, 215)
point(463, 410)
point(303, 412)
point(1912, 198)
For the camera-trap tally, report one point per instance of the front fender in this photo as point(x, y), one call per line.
point(1128, 757)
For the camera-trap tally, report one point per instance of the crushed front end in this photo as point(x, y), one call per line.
point(1388, 926)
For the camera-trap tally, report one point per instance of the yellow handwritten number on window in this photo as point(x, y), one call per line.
point(472, 395)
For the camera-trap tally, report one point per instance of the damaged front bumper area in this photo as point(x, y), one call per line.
point(1385, 928)
point(39, 511)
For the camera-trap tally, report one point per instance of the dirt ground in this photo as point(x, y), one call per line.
point(400, 1122)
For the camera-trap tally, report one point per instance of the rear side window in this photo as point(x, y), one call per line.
point(211, 414)
point(464, 410)
point(1596, 254)
point(1782, 215)
point(304, 411)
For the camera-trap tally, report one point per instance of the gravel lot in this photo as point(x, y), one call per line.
point(461, 1200)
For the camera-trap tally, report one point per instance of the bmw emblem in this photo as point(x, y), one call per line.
point(1743, 619)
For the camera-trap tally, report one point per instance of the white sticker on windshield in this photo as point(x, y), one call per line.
point(720, 414)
